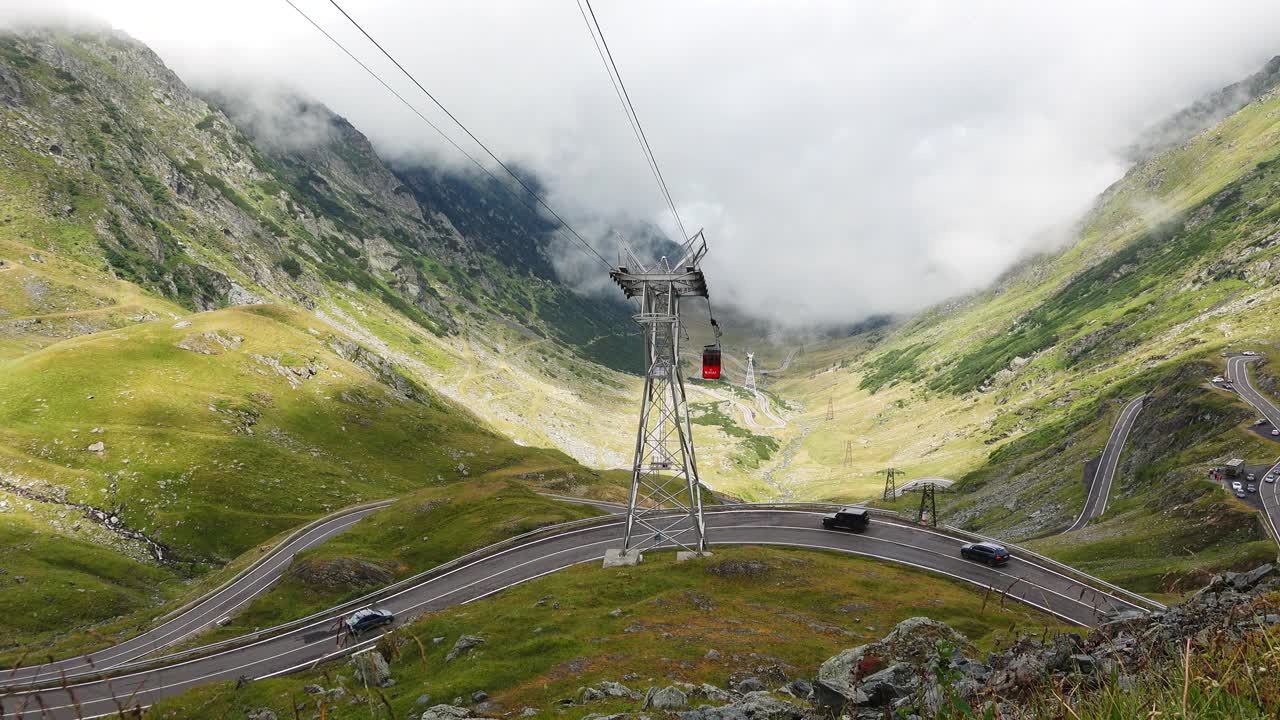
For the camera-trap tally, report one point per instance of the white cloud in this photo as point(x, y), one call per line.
point(845, 158)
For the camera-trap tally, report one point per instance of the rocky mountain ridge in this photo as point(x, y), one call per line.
point(241, 199)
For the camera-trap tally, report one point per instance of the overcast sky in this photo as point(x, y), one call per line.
point(845, 158)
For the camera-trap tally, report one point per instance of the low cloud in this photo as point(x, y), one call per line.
point(845, 158)
point(275, 118)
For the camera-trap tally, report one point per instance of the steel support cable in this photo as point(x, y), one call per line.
point(470, 134)
point(627, 110)
point(648, 150)
point(425, 119)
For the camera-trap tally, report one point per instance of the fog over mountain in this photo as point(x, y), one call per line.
point(846, 159)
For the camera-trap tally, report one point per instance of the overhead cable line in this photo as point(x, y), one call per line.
point(617, 91)
point(620, 90)
point(470, 134)
point(443, 134)
point(630, 109)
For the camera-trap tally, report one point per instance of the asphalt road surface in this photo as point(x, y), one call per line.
point(1100, 489)
point(1238, 372)
point(215, 605)
point(1023, 579)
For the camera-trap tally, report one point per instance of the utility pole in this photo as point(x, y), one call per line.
point(665, 504)
point(751, 373)
point(848, 453)
point(890, 482)
point(928, 505)
point(831, 409)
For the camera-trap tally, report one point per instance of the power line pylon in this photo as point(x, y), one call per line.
point(890, 482)
point(848, 453)
point(751, 373)
point(665, 504)
point(831, 408)
point(928, 505)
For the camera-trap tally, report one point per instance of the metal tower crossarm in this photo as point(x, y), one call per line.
point(665, 503)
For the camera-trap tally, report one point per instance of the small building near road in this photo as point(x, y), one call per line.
point(1234, 467)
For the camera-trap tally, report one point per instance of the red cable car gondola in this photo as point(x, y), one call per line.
point(711, 362)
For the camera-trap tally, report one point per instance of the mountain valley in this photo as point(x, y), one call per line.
point(226, 317)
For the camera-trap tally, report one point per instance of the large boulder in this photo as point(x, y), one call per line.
point(710, 692)
point(895, 682)
point(588, 695)
point(464, 645)
point(611, 689)
point(802, 689)
point(667, 698)
point(446, 712)
point(914, 640)
point(372, 669)
point(1258, 574)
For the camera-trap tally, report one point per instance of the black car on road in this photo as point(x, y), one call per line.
point(855, 519)
point(989, 553)
point(366, 619)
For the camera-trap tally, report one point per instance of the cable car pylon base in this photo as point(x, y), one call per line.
point(664, 509)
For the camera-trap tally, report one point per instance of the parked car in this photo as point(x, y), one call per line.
point(366, 619)
point(1270, 478)
point(1219, 378)
point(1249, 353)
point(1260, 421)
point(1250, 477)
point(1230, 385)
point(1237, 486)
point(1275, 431)
point(989, 553)
point(855, 519)
point(1241, 494)
point(1251, 487)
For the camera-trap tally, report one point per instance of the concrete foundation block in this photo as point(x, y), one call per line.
point(617, 558)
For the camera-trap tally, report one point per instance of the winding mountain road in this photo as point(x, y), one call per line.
point(1238, 372)
point(1028, 579)
point(1100, 489)
point(203, 612)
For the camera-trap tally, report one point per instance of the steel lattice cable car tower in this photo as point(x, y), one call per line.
point(751, 373)
point(665, 505)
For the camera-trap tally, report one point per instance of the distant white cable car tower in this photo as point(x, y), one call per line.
point(665, 505)
point(751, 373)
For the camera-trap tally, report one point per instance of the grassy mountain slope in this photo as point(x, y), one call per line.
point(215, 436)
point(111, 161)
point(203, 344)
